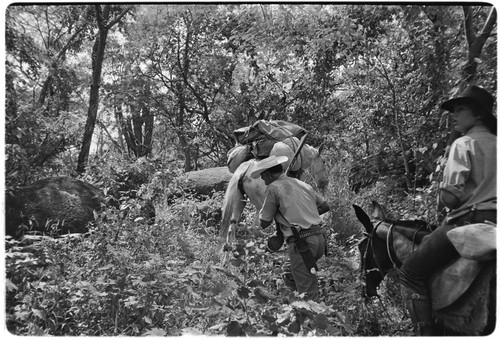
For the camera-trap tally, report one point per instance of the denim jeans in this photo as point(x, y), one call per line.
point(302, 280)
point(435, 252)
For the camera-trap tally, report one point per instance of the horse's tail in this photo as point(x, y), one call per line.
point(233, 200)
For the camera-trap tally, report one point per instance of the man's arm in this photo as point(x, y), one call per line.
point(455, 174)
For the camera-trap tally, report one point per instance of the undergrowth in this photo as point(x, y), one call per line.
point(132, 277)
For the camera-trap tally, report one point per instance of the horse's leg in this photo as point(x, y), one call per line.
point(231, 232)
point(237, 211)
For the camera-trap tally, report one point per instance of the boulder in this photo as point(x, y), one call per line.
point(52, 206)
point(206, 181)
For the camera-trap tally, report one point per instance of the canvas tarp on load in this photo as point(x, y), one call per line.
point(276, 130)
point(274, 137)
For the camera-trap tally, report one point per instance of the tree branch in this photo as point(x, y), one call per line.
point(119, 17)
point(489, 24)
point(468, 24)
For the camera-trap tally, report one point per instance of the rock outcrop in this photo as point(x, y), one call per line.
point(52, 206)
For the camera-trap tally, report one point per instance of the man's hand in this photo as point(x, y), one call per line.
point(264, 223)
point(449, 199)
point(323, 208)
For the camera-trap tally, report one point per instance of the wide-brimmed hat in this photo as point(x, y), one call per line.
point(266, 164)
point(472, 95)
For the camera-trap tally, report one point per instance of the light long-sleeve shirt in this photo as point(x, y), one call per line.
point(470, 173)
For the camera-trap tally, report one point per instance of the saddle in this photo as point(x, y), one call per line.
point(476, 244)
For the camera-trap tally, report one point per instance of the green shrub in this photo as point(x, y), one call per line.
point(132, 277)
point(340, 220)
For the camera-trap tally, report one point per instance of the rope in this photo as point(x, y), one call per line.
point(388, 243)
point(415, 236)
point(370, 242)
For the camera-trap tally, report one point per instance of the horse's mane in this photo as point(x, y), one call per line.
point(412, 224)
point(414, 230)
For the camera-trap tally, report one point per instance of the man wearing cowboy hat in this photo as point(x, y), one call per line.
point(296, 208)
point(468, 191)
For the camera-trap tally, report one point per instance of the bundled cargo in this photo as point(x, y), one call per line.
point(288, 147)
point(276, 130)
point(273, 137)
point(238, 155)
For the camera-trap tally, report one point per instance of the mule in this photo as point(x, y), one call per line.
point(241, 185)
point(464, 306)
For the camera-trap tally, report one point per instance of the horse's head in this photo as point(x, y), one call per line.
point(318, 169)
point(385, 245)
point(375, 260)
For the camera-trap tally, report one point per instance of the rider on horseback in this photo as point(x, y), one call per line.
point(468, 191)
point(296, 208)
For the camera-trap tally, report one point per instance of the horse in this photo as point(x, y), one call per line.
point(385, 246)
point(241, 185)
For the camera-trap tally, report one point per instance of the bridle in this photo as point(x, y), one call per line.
point(395, 261)
point(391, 253)
point(392, 257)
point(369, 238)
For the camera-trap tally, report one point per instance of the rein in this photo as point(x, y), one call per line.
point(396, 263)
point(389, 242)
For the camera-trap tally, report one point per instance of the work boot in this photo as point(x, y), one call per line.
point(420, 309)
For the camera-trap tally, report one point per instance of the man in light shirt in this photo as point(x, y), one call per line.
point(296, 208)
point(468, 191)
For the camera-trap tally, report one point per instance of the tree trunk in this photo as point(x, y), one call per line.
point(187, 153)
point(148, 124)
point(97, 60)
point(123, 129)
point(475, 42)
point(119, 125)
point(102, 17)
point(475, 45)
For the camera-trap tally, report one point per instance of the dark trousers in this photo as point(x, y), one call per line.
point(297, 277)
point(436, 252)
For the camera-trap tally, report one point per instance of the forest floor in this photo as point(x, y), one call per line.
point(133, 277)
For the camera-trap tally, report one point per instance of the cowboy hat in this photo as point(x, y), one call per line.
point(267, 163)
point(472, 95)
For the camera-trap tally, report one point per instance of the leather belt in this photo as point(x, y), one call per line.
point(474, 216)
point(304, 233)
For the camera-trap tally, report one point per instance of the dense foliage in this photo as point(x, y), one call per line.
point(176, 81)
point(130, 276)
